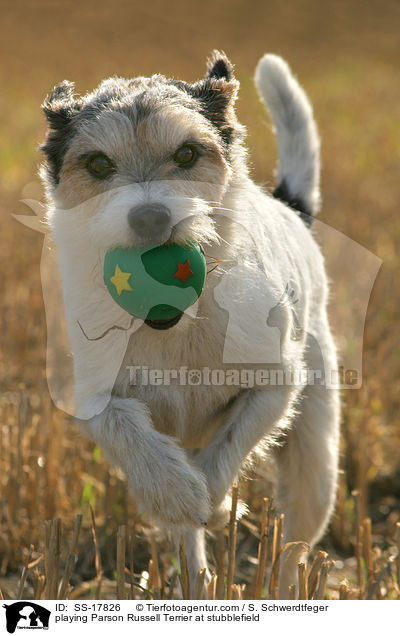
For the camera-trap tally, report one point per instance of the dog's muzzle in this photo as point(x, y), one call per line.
point(149, 221)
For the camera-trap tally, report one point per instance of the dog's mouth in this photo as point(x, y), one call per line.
point(164, 324)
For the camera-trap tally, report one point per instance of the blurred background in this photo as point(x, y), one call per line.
point(346, 55)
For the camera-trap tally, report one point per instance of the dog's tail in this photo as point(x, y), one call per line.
point(297, 136)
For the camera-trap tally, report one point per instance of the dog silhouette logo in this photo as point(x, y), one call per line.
point(26, 615)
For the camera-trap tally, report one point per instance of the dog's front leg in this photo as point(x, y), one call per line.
point(166, 485)
point(255, 414)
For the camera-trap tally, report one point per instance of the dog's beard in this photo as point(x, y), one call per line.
point(84, 235)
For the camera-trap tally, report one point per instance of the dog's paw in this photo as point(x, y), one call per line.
point(186, 501)
point(178, 494)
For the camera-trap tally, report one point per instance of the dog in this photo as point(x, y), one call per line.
point(148, 161)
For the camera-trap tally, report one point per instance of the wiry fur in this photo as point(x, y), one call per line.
point(182, 446)
point(297, 136)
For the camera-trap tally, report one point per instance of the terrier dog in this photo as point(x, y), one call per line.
point(148, 161)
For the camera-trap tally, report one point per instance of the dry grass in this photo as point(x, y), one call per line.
point(113, 553)
point(41, 576)
point(346, 55)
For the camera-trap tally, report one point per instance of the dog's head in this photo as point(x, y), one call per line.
point(143, 161)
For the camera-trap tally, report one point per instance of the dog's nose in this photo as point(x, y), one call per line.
point(149, 221)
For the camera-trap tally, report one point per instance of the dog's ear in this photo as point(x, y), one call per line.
point(219, 67)
point(60, 105)
point(59, 108)
point(220, 78)
point(217, 93)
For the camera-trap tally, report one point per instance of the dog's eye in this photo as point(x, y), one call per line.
point(100, 166)
point(186, 156)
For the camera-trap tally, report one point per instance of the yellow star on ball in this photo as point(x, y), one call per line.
point(120, 280)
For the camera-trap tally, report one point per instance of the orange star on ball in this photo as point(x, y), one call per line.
point(183, 272)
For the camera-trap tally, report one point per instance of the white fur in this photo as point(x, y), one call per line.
point(182, 446)
point(296, 131)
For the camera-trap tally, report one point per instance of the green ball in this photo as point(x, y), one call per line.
point(155, 283)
